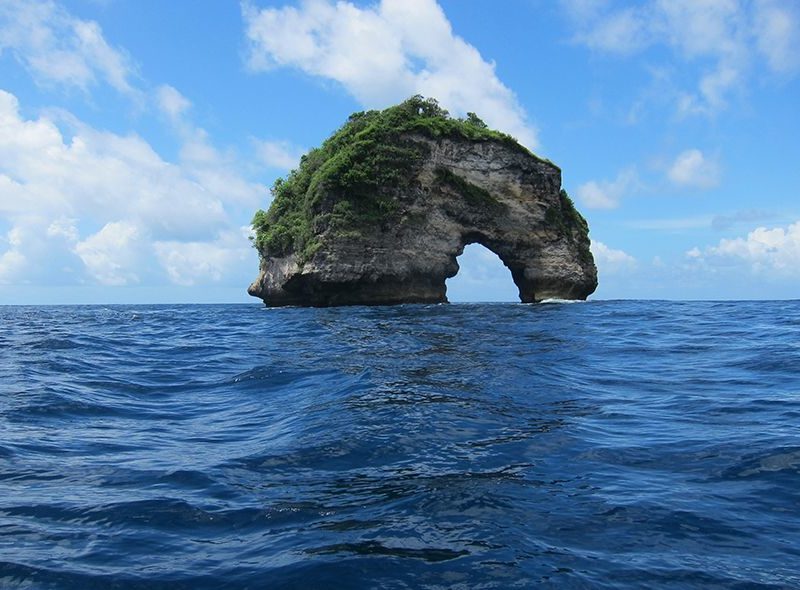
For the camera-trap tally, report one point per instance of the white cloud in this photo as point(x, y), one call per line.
point(623, 32)
point(278, 154)
point(692, 168)
point(100, 206)
point(111, 255)
point(12, 260)
point(726, 38)
point(694, 253)
point(610, 260)
point(63, 228)
point(605, 194)
point(595, 196)
point(192, 263)
point(771, 252)
point(171, 102)
point(385, 53)
point(723, 222)
point(679, 224)
point(39, 250)
point(215, 171)
point(84, 206)
point(778, 34)
point(102, 176)
point(58, 48)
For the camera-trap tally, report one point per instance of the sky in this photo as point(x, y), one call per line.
point(138, 137)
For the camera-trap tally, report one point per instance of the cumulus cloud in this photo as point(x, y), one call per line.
point(772, 252)
point(610, 260)
point(725, 37)
point(101, 175)
point(384, 53)
point(79, 205)
point(12, 260)
point(605, 194)
point(692, 168)
point(57, 48)
point(40, 250)
point(193, 263)
point(93, 206)
point(111, 255)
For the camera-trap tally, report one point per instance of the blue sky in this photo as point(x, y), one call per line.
point(138, 137)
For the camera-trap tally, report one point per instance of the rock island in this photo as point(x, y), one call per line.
point(378, 214)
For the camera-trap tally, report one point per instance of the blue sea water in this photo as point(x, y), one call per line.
point(594, 445)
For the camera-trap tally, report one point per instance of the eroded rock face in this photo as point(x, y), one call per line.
point(462, 192)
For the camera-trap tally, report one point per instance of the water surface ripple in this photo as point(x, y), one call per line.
point(597, 445)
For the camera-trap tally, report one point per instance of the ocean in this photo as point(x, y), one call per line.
point(609, 444)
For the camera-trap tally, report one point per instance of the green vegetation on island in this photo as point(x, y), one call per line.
point(472, 194)
point(566, 217)
point(350, 184)
point(370, 157)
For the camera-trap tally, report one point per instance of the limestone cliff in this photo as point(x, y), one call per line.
point(379, 213)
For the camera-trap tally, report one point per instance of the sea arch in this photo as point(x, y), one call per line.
point(482, 276)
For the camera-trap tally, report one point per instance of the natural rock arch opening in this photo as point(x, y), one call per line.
point(481, 277)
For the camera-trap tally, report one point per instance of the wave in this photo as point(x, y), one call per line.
point(625, 444)
point(556, 300)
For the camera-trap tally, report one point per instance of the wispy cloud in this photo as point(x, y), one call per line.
point(778, 34)
point(720, 222)
point(383, 53)
point(171, 102)
point(725, 38)
point(672, 224)
point(607, 194)
point(282, 155)
point(215, 169)
point(60, 49)
point(729, 220)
